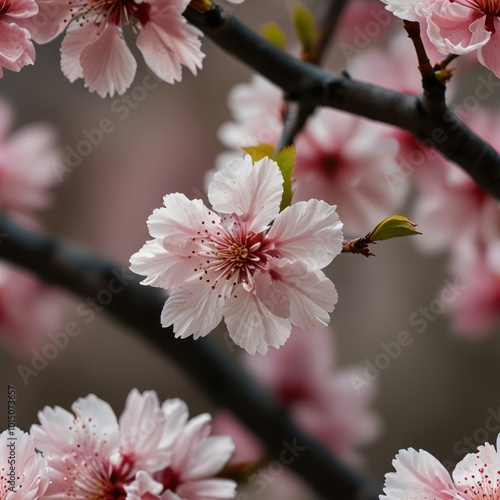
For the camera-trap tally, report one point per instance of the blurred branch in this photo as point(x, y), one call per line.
point(313, 86)
point(204, 361)
point(297, 115)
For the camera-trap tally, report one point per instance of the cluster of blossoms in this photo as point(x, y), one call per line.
point(153, 452)
point(420, 476)
point(243, 260)
point(456, 27)
point(94, 48)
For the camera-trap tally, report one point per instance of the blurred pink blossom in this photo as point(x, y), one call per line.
point(94, 48)
point(420, 476)
point(28, 479)
point(16, 48)
point(260, 278)
point(29, 310)
point(28, 159)
point(152, 452)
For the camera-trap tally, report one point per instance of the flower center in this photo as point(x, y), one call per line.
point(109, 11)
point(491, 8)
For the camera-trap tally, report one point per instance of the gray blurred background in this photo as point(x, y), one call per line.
point(439, 390)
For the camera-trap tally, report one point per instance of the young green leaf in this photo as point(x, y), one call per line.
point(260, 151)
point(394, 226)
point(274, 34)
point(286, 161)
point(305, 27)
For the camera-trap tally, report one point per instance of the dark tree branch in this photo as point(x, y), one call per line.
point(204, 361)
point(311, 85)
point(298, 113)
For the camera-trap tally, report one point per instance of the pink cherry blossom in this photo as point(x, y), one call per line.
point(232, 265)
point(94, 48)
point(420, 476)
point(27, 164)
point(459, 27)
point(152, 450)
point(23, 471)
point(29, 310)
point(16, 48)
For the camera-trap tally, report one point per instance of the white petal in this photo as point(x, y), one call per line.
point(252, 191)
point(210, 456)
point(161, 268)
point(181, 219)
point(418, 476)
point(195, 308)
point(308, 231)
point(252, 325)
point(143, 486)
point(310, 293)
point(209, 488)
point(108, 66)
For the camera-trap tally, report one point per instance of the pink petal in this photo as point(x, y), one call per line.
point(418, 476)
point(161, 268)
point(310, 232)
point(181, 219)
point(455, 28)
point(76, 40)
point(476, 476)
point(16, 50)
point(311, 294)
point(252, 325)
point(195, 308)
point(108, 66)
point(488, 54)
point(209, 489)
point(167, 42)
point(404, 9)
point(209, 457)
point(144, 487)
point(252, 191)
point(53, 16)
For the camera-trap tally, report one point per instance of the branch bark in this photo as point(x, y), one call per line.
point(313, 86)
point(204, 361)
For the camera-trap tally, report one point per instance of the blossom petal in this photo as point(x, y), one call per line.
point(108, 66)
point(195, 308)
point(144, 487)
point(251, 191)
point(418, 476)
point(310, 293)
point(161, 268)
point(209, 456)
point(479, 472)
point(53, 16)
point(17, 50)
point(308, 231)
point(167, 42)
point(76, 40)
point(252, 325)
point(208, 488)
point(488, 54)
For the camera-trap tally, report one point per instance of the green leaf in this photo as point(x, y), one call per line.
point(274, 34)
point(305, 27)
point(286, 161)
point(260, 151)
point(393, 227)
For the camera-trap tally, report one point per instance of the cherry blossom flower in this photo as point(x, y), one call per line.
point(29, 310)
point(16, 48)
point(152, 450)
point(459, 27)
point(24, 473)
point(27, 164)
point(232, 265)
point(94, 48)
point(420, 476)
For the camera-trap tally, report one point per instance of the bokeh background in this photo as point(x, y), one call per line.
point(437, 391)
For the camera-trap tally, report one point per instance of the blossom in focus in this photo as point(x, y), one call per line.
point(233, 263)
point(420, 476)
point(464, 26)
point(16, 48)
point(94, 48)
point(29, 310)
point(93, 455)
point(30, 478)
